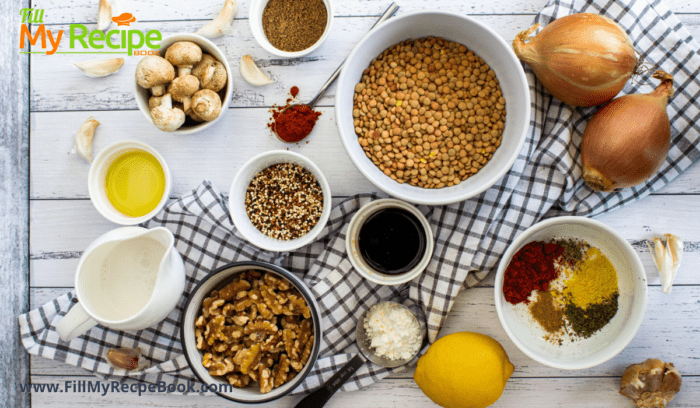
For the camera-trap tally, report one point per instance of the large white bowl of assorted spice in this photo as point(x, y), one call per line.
point(433, 120)
point(571, 292)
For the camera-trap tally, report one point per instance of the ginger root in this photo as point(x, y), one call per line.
point(651, 384)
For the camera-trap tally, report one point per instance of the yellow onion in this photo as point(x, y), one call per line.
point(627, 140)
point(583, 59)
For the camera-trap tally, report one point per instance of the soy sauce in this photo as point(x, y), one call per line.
point(392, 241)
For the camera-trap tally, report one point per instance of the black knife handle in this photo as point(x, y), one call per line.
point(318, 398)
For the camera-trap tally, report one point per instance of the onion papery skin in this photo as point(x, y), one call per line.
point(582, 59)
point(627, 140)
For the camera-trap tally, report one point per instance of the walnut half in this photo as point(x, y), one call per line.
point(651, 384)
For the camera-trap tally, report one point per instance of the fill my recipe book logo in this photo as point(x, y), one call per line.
point(83, 41)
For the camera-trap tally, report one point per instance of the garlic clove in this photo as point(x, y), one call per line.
point(657, 252)
point(674, 249)
point(104, 15)
point(667, 259)
point(100, 68)
point(222, 23)
point(126, 359)
point(252, 74)
point(83, 139)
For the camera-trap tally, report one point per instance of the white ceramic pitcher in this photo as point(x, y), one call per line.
point(128, 279)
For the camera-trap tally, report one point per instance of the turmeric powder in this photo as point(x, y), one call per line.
point(594, 282)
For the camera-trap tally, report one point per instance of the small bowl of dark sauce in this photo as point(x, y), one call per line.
point(389, 241)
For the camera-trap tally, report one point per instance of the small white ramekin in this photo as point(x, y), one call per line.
point(98, 173)
point(256, 9)
point(236, 200)
point(353, 249)
point(142, 95)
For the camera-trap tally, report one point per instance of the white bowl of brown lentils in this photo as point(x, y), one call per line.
point(290, 28)
point(432, 107)
point(280, 201)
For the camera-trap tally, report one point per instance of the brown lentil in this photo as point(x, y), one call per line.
point(294, 25)
point(442, 105)
point(284, 201)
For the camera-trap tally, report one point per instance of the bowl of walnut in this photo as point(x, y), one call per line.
point(251, 331)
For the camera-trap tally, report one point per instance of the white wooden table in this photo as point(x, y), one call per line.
point(62, 221)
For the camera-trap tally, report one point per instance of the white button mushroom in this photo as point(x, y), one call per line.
point(211, 73)
point(182, 88)
point(167, 118)
point(154, 72)
point(154, 102)
point(184, 55)
point(206, 104)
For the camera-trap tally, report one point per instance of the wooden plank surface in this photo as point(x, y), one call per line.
point(14, 205)
point(393, 393)
point(670, 336)
point(115, 92)
point(60, 230)
point(63, 221)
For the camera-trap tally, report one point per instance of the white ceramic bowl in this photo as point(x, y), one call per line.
point(142, 95)
point(613, 337)
point(256, 9)
point(217, 279)
point(477, 37)
point(236, 200)
point(353, 249)
point(97, 176)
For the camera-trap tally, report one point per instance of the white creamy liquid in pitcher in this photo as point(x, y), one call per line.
point(127, 278)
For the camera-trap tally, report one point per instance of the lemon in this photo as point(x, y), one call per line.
point(464, 370)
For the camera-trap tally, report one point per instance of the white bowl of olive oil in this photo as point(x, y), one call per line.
point(129, 182)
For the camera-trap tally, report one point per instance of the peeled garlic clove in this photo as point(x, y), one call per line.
point(222, 23)
point(83, 139)
point(126, 358)
point(252, 74)
point(100, 68)
point(104, 15)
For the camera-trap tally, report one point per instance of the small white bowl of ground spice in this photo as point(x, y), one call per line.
point(290, 28)
point(280, 201)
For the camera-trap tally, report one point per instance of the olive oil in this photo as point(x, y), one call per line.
point(135, 183)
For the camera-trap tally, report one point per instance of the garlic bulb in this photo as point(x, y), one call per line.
point(667, 259)
point(252, 74)
point(651, 384)
point(222, 23)
point(100, 68)
point(83, 139)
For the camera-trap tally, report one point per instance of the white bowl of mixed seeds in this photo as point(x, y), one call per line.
point(290, 28)
point(280, 201)
point(432, 107)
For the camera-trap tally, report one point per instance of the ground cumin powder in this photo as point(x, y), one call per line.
point(546, 312)
point(294, 25)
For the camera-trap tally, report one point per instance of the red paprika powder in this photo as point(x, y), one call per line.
point(532, 268)
point(292, 123)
